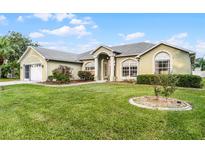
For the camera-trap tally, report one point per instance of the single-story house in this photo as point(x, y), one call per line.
point(113, 63)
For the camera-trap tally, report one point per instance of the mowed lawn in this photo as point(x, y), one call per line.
point(95, 111)
point(7, 79)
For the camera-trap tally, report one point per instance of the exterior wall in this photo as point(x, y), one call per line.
point(33, 58)
point(180, 62)
point(75, 67)
point(118, 68)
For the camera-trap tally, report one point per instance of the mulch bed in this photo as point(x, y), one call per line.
point(160, 102)
point(60, 83)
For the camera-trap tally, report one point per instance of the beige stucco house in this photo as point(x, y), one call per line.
point(115, 63)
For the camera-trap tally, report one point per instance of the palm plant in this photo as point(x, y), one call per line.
point(200, 62)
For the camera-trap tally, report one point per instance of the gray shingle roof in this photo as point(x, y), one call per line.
point(132, 49)
point(121, 50)
point(51, 54)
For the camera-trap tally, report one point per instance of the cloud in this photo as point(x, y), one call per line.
point(57, 45)
point(75, 48)
point(3, 20)
point(43, 16)
point(91, 44)
point(36, 35)
point(84, 21)
point(54, 16)
point(76, 22)
point(20, 19)
point(132, 36)
point(178, 39)
point(94, 26)
point(62, 16)
point(68, 31)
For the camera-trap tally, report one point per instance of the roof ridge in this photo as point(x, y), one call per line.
point(132, 44)
point(56, 50)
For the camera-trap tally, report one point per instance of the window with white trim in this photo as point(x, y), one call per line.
point(129, 68)
point(89, 66)
point(162, 63)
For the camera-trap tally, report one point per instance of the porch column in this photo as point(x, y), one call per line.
point(112, 69)
point(96, 68)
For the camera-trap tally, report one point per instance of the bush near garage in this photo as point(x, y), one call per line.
point(183, 80)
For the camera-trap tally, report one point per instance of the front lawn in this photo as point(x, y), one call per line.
point(95, 111)
point(7, 79)
point(203, 81)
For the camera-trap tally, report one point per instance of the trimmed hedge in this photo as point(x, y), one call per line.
point(85, 75)
point(184, 80)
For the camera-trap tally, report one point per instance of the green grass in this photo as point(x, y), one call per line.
point(203, 81)
point(6, 79)
point(95, 111)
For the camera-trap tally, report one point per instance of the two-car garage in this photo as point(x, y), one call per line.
point(32, 66)
point(36, 64)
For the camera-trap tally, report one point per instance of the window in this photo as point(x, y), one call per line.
point(90, 66)
point(129, 68)
point(27, 71)
point(162, 63)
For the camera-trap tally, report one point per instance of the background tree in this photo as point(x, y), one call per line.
point(16, 46)
point(5, 51)
point(200, 62)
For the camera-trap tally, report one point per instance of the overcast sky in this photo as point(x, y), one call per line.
point(81, 32)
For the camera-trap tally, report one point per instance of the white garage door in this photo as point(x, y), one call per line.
point(36, 72)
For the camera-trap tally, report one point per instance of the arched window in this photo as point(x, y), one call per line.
point(129, 68)
point(89, 66)
point(162, 63)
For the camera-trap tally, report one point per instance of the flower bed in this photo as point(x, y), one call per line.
point(151, 102)
point(62, 83)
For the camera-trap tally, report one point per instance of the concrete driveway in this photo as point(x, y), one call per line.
point(14, 82)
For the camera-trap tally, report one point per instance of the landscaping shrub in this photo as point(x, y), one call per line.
point(62, 74)
point(50, 78)
point(186, 80)
point(85, 75)
point(189, 81)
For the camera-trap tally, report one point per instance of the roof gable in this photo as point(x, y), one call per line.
point(26, 52)
point(169, 45)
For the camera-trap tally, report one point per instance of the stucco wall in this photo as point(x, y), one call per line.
point(118, 66)
point(75, 67)
point(33, 58)
point(180, 61)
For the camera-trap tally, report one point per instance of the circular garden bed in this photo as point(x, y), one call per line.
point(151, 102)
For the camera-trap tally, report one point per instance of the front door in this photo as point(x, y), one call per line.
point(105, 68)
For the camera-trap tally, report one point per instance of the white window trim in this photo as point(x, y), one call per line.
point(171, 61)
point(121, 72)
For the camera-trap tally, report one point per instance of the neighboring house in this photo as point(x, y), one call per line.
point(115, 63)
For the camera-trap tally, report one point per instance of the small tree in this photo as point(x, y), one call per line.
point(164, 85)
point(168, 84)
point(155, 83)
